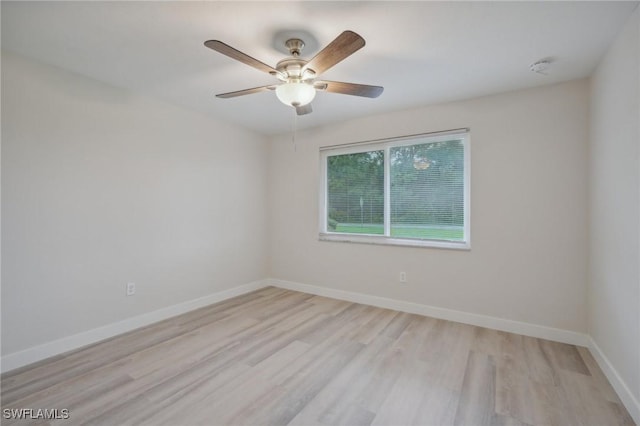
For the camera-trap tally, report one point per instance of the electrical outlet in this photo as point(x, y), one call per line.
point(403, 277)
point(131, 289)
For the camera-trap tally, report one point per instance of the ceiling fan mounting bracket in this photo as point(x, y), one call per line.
point(295, 46)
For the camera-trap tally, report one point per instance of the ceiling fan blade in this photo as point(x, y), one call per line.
point(229, 51)
point(344, 45)
point(349, 88)
point(304, 109)
point(245, 92)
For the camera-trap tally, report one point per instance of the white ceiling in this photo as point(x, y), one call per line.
point(421, 52)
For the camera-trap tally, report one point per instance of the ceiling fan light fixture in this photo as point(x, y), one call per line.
point(295, 94)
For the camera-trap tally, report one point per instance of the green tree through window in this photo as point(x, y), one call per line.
point(356, 192)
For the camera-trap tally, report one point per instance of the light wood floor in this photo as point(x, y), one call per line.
point(280, 357)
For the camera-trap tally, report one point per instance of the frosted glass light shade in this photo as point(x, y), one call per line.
point(297, 94)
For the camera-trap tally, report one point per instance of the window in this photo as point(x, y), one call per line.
point(405, 191)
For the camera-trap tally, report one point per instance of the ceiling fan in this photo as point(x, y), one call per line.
point(298, 84)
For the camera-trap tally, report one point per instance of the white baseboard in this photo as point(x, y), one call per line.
point(57, 347)
point(527, 329)
point(626, 396)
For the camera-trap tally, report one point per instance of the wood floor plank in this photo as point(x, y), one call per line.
point(397, 325)
point(540, 365)
point(330, 306)
point(586, 400)
point(403, 401)
point(500, 420)
point(564, 357)
point(295, 383)
point(304, 386)
point(374, 326)
point(355, 415)
point(487, 341)
point(398, 357)
point(477, 400)
point(345, 389)
point(445, 350)
point(548, 403)
point(280, 339)
point(605, 389)
point(513, 389)
point(275, 357)
point(438, 407)
point(243, 395)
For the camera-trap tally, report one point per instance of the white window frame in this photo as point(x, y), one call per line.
point(386, 145)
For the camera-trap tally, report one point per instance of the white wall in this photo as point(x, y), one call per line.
point(614, 180)
point(528, 260)
point(101, 187)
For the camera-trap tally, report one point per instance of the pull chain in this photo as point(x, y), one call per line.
point(294, 130)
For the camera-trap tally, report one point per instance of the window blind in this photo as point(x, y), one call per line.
point(355, 192)
point(427, 190)
point(411, 190)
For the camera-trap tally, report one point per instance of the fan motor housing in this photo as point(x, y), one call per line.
point(292, 68)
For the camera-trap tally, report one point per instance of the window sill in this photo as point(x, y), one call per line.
point(390, 241)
